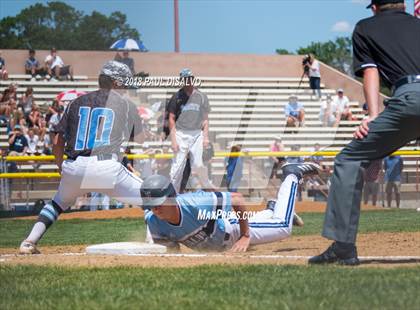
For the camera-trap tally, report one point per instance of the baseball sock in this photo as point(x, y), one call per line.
point(48, 215)
point(285, 196)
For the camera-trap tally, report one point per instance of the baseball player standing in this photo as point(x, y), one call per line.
point(386, 45)
point(202, 220)
point(90, 133)
point(189, 130)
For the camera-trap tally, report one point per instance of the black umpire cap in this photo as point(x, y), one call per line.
point(382, 2)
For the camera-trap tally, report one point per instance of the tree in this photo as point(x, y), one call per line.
point(60, 25)
point(282, 51)
point(337, 54)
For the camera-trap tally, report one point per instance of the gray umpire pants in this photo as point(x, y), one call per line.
point(397, 125)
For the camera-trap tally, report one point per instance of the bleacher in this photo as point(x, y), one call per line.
point(245, 111)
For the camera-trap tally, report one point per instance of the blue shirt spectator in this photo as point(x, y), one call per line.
point(17, 141)
point(31, 62)
point(393, 166)
point(293, 109)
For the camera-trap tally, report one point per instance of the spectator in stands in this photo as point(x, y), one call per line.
point(276, 146)
point(314, 76)
point(26, 101)
point(327, 113)
point(163, 165)
point(18, 144)
point(99, 200)
point(3, 71)
point(52, 109)
point(8, 104)
point(295, 113)
point(55, 119)
point(9, 94)
point(234, 170)
point(33, 140)
point(43, 128)
point(33, 67)
point(126, 59)
point(34, 118)
point(393, 166)
point(4, 117)
point(296, 160)
point(46, 144)
point(318, 159)
point(128, 163)
point(56, 68)
point(371, 177)
point(342, 104)
point(145, 166)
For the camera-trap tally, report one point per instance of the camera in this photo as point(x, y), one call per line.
point(306, 62)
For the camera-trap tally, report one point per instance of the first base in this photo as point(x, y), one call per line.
point(125, 248)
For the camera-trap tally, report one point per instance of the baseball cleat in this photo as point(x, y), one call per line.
point(346, 256)
point(300, 170)
point(27, 247)
point(297, 220)
point(271, 204)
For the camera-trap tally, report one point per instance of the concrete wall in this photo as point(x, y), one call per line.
point(169, 64)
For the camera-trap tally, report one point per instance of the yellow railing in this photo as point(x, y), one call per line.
point(36, 175)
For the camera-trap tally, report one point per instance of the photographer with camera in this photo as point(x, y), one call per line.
point(312, 71)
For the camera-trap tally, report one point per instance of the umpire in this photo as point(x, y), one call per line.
point(386, 46)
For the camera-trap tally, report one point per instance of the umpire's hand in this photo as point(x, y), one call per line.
point(363, 129)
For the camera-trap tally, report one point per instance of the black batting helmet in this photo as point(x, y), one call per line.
point(155, 190)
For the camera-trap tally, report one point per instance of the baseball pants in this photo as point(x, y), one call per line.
point(189, 142)
point(397, 125)
point(269, 226)
point(88, 174)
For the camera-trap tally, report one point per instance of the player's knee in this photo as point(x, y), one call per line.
point(49, 214)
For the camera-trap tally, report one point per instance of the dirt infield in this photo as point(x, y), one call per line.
point(284, 252)
point(301, 207)
point(290, 251)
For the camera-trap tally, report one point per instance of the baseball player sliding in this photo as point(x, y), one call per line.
point(204, 220)
point(90, 133)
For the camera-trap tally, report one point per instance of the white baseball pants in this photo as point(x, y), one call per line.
point(189, 142)
point(268, 226)
point(88, 174)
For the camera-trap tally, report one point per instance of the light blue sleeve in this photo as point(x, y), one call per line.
point(157, 231)
point(204, 200)
point(287, 110)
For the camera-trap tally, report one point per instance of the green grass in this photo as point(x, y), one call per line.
point(68, 232)
point(209, 287)
point(77, 231)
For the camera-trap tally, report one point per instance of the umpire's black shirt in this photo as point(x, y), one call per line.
point(389, 41)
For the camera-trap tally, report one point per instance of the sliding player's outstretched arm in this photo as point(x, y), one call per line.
point(238, 206)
